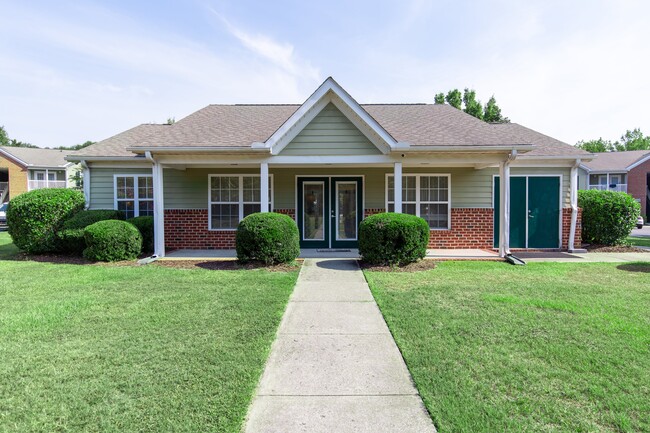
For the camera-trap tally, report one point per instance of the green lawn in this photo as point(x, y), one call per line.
point(549, 347)
point(639, 241)
point(106, 348)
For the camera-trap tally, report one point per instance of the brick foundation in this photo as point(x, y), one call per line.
point(372, 211)
point(470, 228)
point(566, 228)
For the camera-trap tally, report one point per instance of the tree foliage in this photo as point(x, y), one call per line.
point(631, 140)
point(76, 146)
point(11, 142)
point(467, 102)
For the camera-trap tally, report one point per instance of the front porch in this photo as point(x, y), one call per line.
point(353, 253)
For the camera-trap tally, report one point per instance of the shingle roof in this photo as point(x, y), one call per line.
point(416, 124)
point(39, 157)
point(116, 145)
point(616, 161)
point(545, 145)
point(241, 125)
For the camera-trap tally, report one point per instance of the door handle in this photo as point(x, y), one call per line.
point(530, 215)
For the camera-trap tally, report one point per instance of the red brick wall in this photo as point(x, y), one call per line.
point(636, 184)
point(372, 211)
point(470, 228)
point(566, 228)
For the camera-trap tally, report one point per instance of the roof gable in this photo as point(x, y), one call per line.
point(330, 92)
point(330, 133)
point(617, 161)
point(36, 157)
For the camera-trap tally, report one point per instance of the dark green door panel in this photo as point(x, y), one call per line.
point(313, 211)
point(347, 211)
point(534, 206)
point(517, 211)
point(543, 212)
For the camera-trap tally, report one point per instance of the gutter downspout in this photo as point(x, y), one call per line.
point(86, 181)
point(158, 208)
point(574, 206)
point(504, 193)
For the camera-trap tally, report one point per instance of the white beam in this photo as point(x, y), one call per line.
point(574, 205)
point(86, 182)
point(264, 187)
point(397, 180)
point(158, 210)
point(504, 208)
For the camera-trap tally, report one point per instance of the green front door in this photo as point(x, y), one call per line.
point(534, 211)
point(329, 210)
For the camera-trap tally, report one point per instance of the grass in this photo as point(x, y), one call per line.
point(639, 241)
point(550, 347)
point(114, 349)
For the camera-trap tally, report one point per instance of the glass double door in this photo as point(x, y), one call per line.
point(329, 211)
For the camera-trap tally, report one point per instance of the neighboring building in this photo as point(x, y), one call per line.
point(23, 169)
point(620, 171)
point(329, 163)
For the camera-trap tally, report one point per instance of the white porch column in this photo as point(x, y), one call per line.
point(397, 183)
point(158, 210)
point(504, 209)
point(86, 182)
point(264, 187)
point(574, 205)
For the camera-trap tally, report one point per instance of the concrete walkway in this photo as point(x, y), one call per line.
point(334, 366)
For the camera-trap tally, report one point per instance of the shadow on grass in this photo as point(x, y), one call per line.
point(227, 265)
point(635, 267)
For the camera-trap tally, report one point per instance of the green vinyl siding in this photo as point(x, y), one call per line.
point(330, 133)
point(102, 192)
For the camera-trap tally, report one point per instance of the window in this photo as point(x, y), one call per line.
point(233, 197)
point(424, 195)
point(134, 195)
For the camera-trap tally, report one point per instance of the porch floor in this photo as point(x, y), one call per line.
point(352, 253)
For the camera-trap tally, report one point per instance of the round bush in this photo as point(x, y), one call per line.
point(268, 237)
point(34, 217)
point(71, 234)
point(608, 217)
point(145, 225)
point(393, 239)
point(112, 240)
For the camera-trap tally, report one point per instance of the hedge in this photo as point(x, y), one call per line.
point(71, 234)
point(608, 217)
point(268, 237)
point(393, 239)
point(35, 217)
point(112, 240)
point(145, 225)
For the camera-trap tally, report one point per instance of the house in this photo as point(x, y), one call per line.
point(620, 171)
point(23, 169)
point(330, 162)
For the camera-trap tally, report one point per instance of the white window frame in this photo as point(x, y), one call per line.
point(136, 194)
point(417, 201)
point(241, 201)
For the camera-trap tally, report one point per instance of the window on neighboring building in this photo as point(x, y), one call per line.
point(233, 197)
point(424, 195)
point(134, 195)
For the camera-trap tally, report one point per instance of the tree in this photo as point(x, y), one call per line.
point(76, 146)
point(472, 106)
point(492, 112)
point(440, 98)
point(454, 98)
point(170, 121)
point(4, 138)
point(633, 140)
point(596, 146)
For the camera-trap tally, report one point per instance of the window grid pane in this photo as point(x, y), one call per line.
point(226, 201)
point(429, 199)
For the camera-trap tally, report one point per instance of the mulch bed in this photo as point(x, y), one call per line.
point(617, 249)
point(422, 265)
point(226, 265)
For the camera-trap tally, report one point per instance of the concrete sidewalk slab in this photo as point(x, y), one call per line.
point(334, 366)
point(346, 414)
point(334, 318)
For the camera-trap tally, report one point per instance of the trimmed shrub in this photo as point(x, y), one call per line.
point(268, 237)
point(145, 225)
point(35, 217)
point(112, 240)
point(71, 235)
point(608, 217)
point(393, 239)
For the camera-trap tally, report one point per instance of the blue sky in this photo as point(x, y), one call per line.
point(77, 71)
